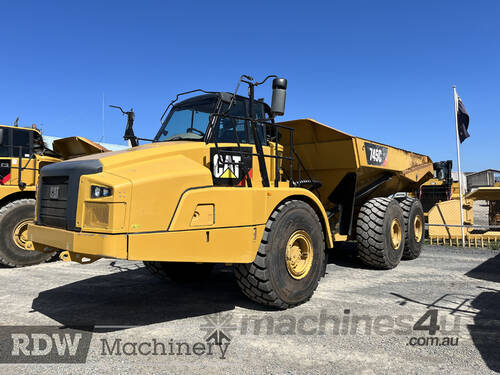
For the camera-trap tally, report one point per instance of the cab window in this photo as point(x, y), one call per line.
point(4, 142)
point(231, 130)
point(14, 141)
point(21, 143)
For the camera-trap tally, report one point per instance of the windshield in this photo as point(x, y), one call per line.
point(187, 122)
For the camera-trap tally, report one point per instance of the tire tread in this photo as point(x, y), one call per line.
point(253, 278)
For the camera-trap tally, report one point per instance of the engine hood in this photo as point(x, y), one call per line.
point(130, 158)
point(151, 180)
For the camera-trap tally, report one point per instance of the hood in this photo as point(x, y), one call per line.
point(144, 154)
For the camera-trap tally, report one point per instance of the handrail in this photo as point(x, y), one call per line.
point(277, 157)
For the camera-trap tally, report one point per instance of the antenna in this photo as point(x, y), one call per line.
point(102, 136)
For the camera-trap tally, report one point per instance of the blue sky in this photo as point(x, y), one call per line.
point(381, 70)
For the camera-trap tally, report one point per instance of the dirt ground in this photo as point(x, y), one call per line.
point(358, 321)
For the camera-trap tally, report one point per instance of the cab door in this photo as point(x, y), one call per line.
point(16, 151)
point(5, 156)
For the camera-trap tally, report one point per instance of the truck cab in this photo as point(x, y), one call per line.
point(22, 154)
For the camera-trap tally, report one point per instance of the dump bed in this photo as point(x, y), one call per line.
point(74, 147)
point(487, 193)
point(328, 154)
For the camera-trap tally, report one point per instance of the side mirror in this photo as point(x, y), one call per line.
point(1, 136)
point(279, 97)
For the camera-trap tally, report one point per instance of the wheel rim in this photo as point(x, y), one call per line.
point(396, 234)
point(418, 228)
point(299, 254)
point(20, 233)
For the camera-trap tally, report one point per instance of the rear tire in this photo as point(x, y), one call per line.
point(414, 224)
point(14, 218)
point(380, 233)
point(290, 261)
point(180, 272)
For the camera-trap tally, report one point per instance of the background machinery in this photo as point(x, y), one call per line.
point(439, 188)
point(441, 204)
point(444, 220)
point(222, 182)
point(22, 154)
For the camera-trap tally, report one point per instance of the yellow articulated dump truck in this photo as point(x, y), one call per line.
point(22, 154)
point(222, 182)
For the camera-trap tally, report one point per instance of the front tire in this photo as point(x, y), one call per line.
point(14, 219)
point(380, 233)
point(290, 261)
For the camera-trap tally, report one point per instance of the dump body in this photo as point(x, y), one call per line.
point(73, 147)
point(329, 154)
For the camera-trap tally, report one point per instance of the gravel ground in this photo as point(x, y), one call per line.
point(358, 321)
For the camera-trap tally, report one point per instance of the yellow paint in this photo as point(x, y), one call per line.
point(339, 237)
point(67, 256)
point(86, 243)
point(29, 174)
point(396, 233)
point(204, 215)
point(328, 154)
point(418, 228)
point(299, 254)
point(222, 245)
point(448, 212)
point(487, 193)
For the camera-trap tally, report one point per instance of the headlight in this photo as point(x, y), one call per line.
point(100, 191)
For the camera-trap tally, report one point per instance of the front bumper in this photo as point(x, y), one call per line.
point(107, 245)
point(217, 245)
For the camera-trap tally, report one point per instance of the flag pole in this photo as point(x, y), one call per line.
point(455, 97)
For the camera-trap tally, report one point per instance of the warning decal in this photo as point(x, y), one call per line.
point(4, 171)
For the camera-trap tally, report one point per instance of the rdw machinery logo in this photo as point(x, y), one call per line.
point(44, 344)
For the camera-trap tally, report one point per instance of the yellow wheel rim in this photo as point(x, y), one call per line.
point(20, 234)
point(396, 233)
point(418, 228)
point(299, 254)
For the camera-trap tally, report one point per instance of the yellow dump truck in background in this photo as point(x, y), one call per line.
point(222, 182)
point(22, 154)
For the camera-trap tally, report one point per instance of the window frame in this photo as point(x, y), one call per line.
point(210, 136)
point(13, 151)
